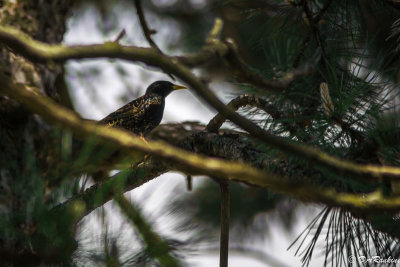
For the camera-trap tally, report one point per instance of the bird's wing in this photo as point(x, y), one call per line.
point(132, 113)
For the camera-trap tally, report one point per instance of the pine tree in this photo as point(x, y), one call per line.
point(314, 119)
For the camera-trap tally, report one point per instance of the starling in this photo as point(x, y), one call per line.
point(143, 114)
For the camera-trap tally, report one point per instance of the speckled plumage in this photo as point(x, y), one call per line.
point(143, 114)
point(140, 116)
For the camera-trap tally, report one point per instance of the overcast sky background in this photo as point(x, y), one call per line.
point(99, 87)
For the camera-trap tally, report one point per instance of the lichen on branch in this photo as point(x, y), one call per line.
point(40, 52)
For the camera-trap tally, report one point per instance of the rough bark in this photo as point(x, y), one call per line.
point(23, 135)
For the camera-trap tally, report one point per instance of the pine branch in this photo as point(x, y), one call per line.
point(99, 194)
point(39, 52)
point(156, 246)
point(192, 163)
point(242, 101)
point(35, 50)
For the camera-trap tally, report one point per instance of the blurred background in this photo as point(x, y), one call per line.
point(263, 226)
point(347, 107)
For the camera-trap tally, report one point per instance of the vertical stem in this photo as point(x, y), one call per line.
point(225, 214)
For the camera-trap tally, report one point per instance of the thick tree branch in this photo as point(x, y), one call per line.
point(42, 52)
point(99, 194)
point(179, 159)
point(196, 164)
point(124, 140)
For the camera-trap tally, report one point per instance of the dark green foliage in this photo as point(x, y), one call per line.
point(358, 46)
point(356, 43)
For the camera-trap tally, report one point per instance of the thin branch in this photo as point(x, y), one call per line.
point(120, 36)
point(224, 217)
point(241, 101)
point(156, 246)
point(147, 32)
point(97, 195)
point(36, 50)
point(251, 100)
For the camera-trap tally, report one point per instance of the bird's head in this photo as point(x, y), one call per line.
point(163, 88)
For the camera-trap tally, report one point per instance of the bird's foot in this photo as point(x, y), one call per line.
point(144, 140)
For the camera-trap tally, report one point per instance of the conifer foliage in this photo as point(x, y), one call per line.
point(313, 119)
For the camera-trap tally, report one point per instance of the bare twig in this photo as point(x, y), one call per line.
point(241, 101)
point(120, 36)
point(147, 32)
point(254, 101)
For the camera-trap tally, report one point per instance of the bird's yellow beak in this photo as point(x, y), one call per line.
point(178, 87)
